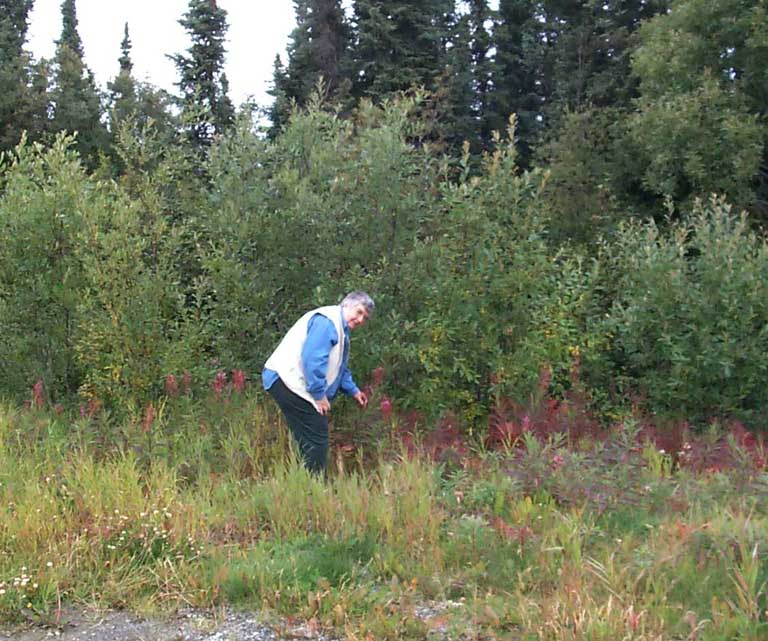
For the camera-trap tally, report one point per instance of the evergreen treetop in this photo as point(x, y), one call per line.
point(69, 33)
point(202, 81)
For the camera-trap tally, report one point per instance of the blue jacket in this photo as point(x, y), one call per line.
point(321, 337)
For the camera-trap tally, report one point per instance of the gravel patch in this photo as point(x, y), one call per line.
point(185, 626)
point(198, 625)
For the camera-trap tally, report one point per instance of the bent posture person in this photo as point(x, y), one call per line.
point(309, 367)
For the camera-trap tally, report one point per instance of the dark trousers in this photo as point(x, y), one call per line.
point(308, 426)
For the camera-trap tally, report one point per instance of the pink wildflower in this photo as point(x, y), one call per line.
point(385, 405)
point(238, 380)
point(171, 386)
point(186, 382)
point(38, 394)
point(219, 383)
point(149, 417)
point(377, 376)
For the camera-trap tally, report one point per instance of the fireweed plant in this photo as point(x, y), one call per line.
point(548, 529)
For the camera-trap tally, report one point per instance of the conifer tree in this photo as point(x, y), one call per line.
point(19, 109)
point(206, 108)
point(13, 26)
point(75, 97)
point(281, 101)
point(455, 93)
point(138, 102)
point(37, 119)
point(122, 90)
point(399, 44)
point(589, 43)
point(478, 17)
point(516, 73)
point(462, 91)
point(316, 57)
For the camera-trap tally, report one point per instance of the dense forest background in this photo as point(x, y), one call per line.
point(568, 195)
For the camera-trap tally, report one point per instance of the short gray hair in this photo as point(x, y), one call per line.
point(359, 298)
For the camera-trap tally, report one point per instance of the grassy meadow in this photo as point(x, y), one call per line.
point(415, 534)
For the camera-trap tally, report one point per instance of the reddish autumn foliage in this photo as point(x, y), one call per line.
point(238, 380)
point(186, 382)
point(90, 409)
point(377, 377)
point(38, 394)
point(171, 386)
point(219, 383)
point(150, 414)
point(512, 533)
point(385, 406)
point(543, 416)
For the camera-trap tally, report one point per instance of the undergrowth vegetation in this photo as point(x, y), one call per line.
point(552, 529)
point(108, 286)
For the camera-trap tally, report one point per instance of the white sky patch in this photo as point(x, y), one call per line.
point(258, 31)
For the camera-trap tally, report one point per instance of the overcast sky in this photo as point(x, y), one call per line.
point(258, 30)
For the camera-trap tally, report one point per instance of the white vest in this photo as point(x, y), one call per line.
point(286, 359)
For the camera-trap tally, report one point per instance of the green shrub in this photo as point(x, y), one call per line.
point(329, 206)
point(94, 295)
point(139, 319)
point(41, 277)
point(690, 314)
point(491, 303)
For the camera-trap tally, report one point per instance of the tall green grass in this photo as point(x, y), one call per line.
point(222, 513)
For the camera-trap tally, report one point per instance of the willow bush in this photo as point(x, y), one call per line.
point(487, 283)
point(109, 285)
point(689, 315)
point(41, 276)
point(331, 205)
point(92, 300)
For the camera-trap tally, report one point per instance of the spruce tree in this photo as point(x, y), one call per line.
point(516, 73)
point(462, 92)
point(455, 97)
point(557, 56)
point(122, 90)
point(37, 119)
point(281, 102)
point(138, 102)
point(18, 107)
point(399, 44)
point(589, 44)
point(76, 100)
point(13, 26)
point(480, 49)
point(206, 108)
point(291, 82)
point(316, 57)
